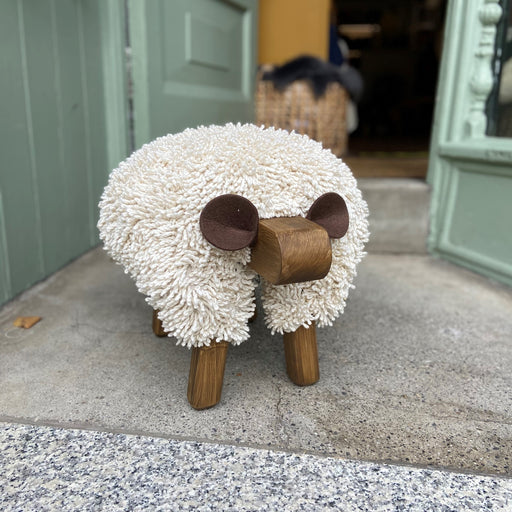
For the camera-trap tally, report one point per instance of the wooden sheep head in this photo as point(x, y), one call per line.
point(284, 249)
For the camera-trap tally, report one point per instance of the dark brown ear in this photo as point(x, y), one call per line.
point(229, 222)
point(330, 211)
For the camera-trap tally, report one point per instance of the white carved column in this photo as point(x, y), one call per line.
point(481, 81)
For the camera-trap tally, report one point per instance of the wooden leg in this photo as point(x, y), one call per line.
point(206, 375)
point(157, 325)
point(301, 355)
point(253, 317)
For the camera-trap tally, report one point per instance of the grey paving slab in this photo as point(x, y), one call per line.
point(416, 371)
point(55, 469)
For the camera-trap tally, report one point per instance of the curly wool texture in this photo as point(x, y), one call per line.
point(149, 223)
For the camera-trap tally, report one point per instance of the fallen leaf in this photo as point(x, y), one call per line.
point(26, 321)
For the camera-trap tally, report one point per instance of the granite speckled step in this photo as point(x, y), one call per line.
point(46, 468)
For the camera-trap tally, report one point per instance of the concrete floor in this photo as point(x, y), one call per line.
point(417, 370)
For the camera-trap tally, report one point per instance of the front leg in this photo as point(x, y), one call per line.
point(207, 374)
point(301, 354)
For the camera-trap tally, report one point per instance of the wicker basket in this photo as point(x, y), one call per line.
point(296, 108)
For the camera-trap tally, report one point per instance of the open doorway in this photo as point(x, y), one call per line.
point(396, 46)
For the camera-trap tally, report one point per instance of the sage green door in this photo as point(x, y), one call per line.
point(193, 63)
point(54, 141)
point(471, 163)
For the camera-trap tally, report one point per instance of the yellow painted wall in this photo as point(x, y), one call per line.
point(288, 28)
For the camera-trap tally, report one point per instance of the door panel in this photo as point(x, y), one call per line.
point(476, 228)
point(194, 62)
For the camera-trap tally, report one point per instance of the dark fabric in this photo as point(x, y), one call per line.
point(330, 211)
point(229, 222)
point(317, 72)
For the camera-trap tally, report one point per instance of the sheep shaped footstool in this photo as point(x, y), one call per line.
point(197, 219)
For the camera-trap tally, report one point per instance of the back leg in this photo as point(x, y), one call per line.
point(301, 354)
point(157, 325)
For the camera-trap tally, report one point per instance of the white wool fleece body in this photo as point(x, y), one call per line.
point(149, 223)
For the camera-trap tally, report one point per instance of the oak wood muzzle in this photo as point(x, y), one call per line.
point(291, 250)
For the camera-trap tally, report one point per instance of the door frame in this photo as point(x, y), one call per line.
point(115, 88)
